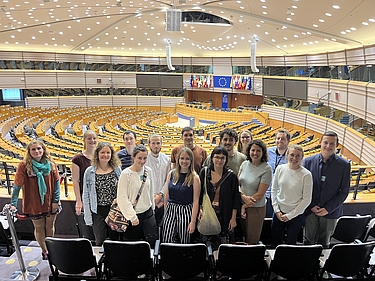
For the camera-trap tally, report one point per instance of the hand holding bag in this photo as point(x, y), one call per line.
point(209, 223)
point(115, 219)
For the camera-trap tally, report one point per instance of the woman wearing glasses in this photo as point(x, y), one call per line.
point(100, 189)
point(222, 188)
point(245, 138)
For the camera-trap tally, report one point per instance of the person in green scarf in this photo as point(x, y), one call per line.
point(38, 177)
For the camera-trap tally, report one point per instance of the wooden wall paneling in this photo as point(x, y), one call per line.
point(122, 60)
point(257, 84)
point(12, 79)
point(40, 79)
point(38, 56)
point(130, 101)
point(201, 61)
point(368, 152)
point(245, 61)
point(370, 102)
point(273, 61)
point(317, 59)
point(337, 58)
point(370, 54)
point(69, 57)
point(100, 101)
point(355, 56)
point(357, 99)
point(295, 119)
point(150, 61)
point(316, 123)
point(97, 59)
point(351, 142)
point(70, 79)
point(171, 101)
point(105, 77)
point(340, 87)
point(43, 102)
point(72, 101)
point(8, 55)
point(296, 60)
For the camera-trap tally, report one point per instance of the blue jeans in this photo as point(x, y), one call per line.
point(288, 230)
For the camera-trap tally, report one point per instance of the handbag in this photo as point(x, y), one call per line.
point(115, 219)
point(209, 223)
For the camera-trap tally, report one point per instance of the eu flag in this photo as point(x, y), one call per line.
point(222, 81)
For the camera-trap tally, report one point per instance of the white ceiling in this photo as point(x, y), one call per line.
point(137, 27)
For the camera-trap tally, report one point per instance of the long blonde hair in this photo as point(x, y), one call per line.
point(189, 180)
point(28, 158)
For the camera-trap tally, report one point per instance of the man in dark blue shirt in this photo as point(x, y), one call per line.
point(331, 183)
point(125, 154)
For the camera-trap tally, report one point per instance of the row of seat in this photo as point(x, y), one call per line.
point(135, 260)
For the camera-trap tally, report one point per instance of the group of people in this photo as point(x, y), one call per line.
point(162, 196)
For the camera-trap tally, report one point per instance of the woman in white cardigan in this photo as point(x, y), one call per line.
point(291, 194)
point(143, 224)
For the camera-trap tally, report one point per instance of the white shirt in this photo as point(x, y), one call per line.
point(160, 166)
point(291, 190)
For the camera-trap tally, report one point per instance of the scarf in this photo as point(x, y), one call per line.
point(41, 170)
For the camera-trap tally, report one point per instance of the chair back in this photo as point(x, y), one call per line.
point(70, 256)
point(350, 228)
point(348, 259)
point(296, 261)
point(183, 261)
point(240, 261)
point(370, 231)
point(127, 259)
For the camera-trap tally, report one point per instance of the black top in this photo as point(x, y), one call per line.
point(229, 196)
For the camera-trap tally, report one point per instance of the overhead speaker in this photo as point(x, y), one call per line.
point(169, 55)
point(173, 22)
point(253, 58)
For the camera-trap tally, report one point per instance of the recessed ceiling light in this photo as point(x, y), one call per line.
point(336, 7)
point(321, 20)
point(315, 25)
point(353, 28)
point(365, 23)
point(371, 20)
point(328, 14)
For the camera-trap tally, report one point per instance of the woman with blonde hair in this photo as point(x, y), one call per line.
point(100, 189)
point(80, 163)
point(182, 199)
point(38, 177)
point(245, 138)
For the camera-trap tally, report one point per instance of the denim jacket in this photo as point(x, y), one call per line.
point(89, 197)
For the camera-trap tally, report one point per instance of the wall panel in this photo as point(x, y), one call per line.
point(317, 59)
point(296, 60)
point(337, 58)
point(355, 56)
point(40, 79)
point(12, 79)
point(70, 79)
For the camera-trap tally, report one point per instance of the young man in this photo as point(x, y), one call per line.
point(276, 157)
point(331, 183)
point(199, 152)
point(228, 140)
point(160, 165)
point(125, 154)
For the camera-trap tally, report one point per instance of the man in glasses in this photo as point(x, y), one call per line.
point(276, 157)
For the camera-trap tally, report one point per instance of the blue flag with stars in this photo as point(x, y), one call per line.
point(222, 81)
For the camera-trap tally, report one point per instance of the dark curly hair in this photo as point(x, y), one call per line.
point(262, 145)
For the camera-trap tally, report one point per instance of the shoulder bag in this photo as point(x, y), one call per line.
point(115, 219)
point(209, 224)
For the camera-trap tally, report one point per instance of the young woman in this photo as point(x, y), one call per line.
point(38, 177)
point(143, 223)
point(291, 194)
point(182, 199)
point(245, 138)
point(100, 189)
point(80, 163)
point(222, 188)
point(255, 176)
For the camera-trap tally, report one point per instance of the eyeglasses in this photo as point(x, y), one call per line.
point(245, 137)
point(220, 158)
